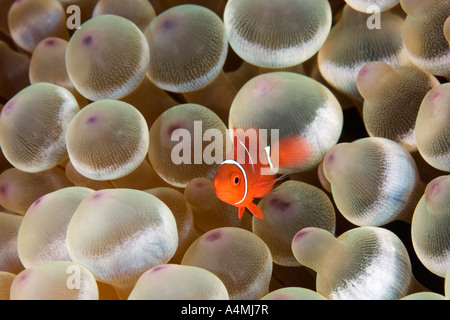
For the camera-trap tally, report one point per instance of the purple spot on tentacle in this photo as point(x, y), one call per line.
point(330, 158)
point(37, 201)
point(301, 234)
point(88, 40)
point(97, 195)
point(50, 42)
point(23, 276)
point(199, 184)
point(92, 119)
point(436, 95)
point(172, 129)
point(8, 108)
point(213, 236)
point(279, 204)
point(262, 87)
point(167, 25)
point(433, 190)
point(364, 70)
point(158, 268)
point(3, 189)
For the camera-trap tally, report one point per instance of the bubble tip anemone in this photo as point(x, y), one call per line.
point(334, 160)
point(371, 75)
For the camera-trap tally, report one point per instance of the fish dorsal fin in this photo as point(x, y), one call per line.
point(290, 151)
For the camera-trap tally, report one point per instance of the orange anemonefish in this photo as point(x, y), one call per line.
point(239, 182)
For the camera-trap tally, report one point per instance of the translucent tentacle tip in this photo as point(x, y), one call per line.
point(433, 127)
point(233, 254)
point(140, 12)
point(293, 293)
point(332, 163)
point(365, 180)
point(392, 98)
point(362, 263)
point(34, 124)
point(372, 74)
point(369, 6)
point(31, 21)
point(277, 34)
point(431, 224)
point(311, 244)
point(291, 206)
point(436, 99)
point(424, 35)
point(188, 48)
point(438, 191)
point(124, 143)
point(59, 280)
point(118, 56)
point(178, 282)
point(447, 30)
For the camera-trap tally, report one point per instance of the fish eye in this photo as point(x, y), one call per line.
point(236, 180)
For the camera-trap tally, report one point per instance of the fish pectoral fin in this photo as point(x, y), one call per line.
point(241, 212)
point(262, 188)
point(255, 210)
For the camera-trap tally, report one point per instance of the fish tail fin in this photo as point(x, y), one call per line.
point(290, 151)
point(255, 210)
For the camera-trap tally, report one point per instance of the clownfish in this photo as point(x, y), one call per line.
point(239, 182)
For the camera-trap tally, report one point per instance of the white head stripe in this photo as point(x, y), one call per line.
point(244, 174)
